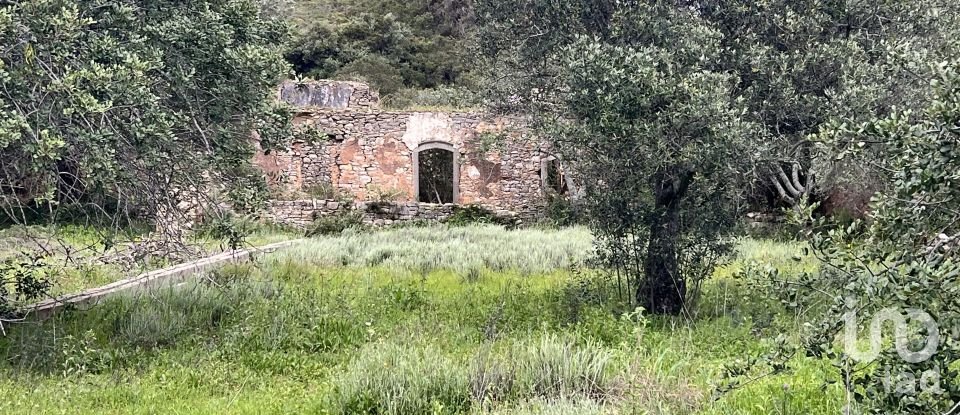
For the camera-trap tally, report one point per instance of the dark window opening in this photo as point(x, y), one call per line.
point(436, 176)
point(553, 178)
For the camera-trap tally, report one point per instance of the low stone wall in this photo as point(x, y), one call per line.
point(301, 213)
point(380, 214)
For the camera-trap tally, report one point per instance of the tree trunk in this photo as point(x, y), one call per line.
point(664, 289)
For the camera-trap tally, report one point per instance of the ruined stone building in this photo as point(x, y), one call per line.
point(424, 162)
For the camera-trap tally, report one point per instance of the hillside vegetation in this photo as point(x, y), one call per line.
point(414, 52)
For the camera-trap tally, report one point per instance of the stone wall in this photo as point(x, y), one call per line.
point(306, 95)
point(363, 152)
point(301, 213)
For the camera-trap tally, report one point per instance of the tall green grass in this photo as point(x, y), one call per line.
point(466, 250)
point(293, 335)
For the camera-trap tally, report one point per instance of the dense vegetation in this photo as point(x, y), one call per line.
point(399, 47)
point(121, 105)
point(675, 116)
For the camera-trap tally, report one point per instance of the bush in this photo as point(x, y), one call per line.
point(374, 70)
point(560, 211)
point(325, 191)
point(247, 192)
point(452, 98)
point(476, 214)
point(228, 228)
point(334, 224)
point(23, 278)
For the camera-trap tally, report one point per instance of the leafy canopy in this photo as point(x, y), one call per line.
point(116, 103)
point(630, 93)
point(122, 109)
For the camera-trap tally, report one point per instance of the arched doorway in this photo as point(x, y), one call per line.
point(436, 173)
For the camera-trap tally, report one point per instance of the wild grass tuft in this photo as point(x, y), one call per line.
point(395, 379)
point(550, 367)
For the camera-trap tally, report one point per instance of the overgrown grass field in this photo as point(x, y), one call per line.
point(434, 320)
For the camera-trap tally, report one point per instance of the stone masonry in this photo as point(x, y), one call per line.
point(301, 213)
point(362, 152)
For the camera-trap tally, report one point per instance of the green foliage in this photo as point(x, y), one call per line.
point(562, 211)
point(802, 64)
point(23, 278)
point(228, 229)
point(374, 70)
point(909, 257)
point(632, 93)
point(441, 98)
point(904, 259)
point(248, 191)
point(142, 100)
point(390, 44)
point(335, 224)
point(476, 214)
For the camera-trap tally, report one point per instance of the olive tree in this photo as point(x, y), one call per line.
point(908, 259)
point(630, 94)
point(124, 108)
point(114, 103)
point(900, 266)
point(802, 63)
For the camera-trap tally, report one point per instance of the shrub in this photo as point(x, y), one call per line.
point(228, 228)
point(395, 379)
point(441, 97)
point(560, 211)
point(334, 224)
point(476, 214)
point(325, 191)
point(247, 192)
point(374, 70)
point(23, 278)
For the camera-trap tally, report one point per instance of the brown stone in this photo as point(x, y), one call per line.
point(378, 152)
